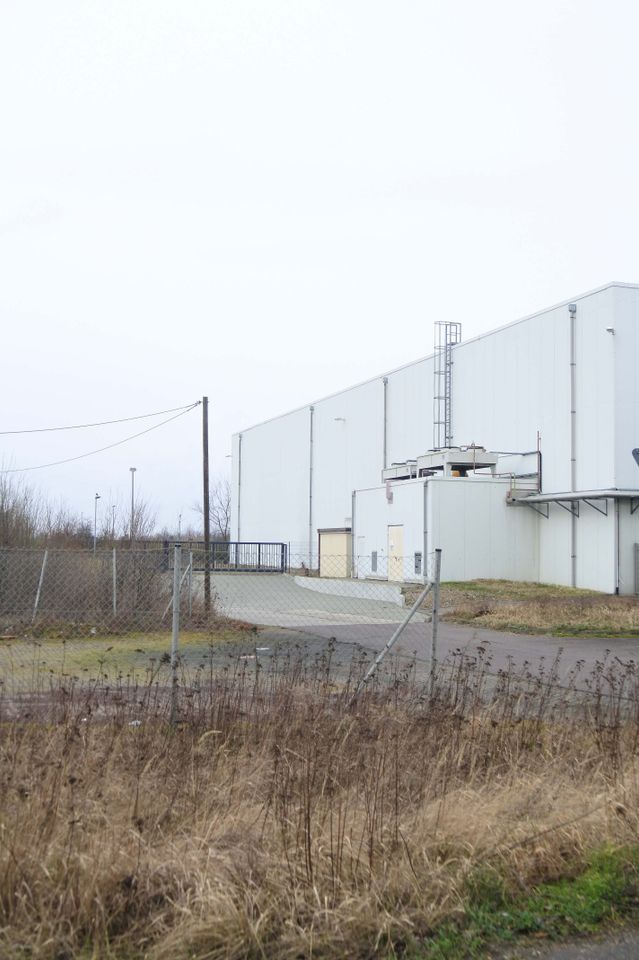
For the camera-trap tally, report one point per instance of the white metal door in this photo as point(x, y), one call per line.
point(396, 552)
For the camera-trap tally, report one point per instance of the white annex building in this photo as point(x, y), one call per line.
point(516, 452)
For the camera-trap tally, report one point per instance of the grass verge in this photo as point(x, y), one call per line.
point(539, 608)
point(604, 894)
point(134, 655)
point(280, 818)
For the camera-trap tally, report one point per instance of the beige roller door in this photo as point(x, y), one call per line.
point(335, 553)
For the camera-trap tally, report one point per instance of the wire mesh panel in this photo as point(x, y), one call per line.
point(100, 627)
point(107, 615)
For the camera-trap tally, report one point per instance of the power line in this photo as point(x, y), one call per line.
point(101, 423)
point(91, 453)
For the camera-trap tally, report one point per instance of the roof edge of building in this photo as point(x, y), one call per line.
point(429, 356)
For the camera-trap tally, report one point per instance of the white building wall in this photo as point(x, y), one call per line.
point(514, 382)
point(595, 405)
point(409, 412)
point(374, 514)
point(507, 385)
point(554, 546)
point(347, 451)
point(624, 346)
point(273, 495)
point(478, 533)
point(627, 526)
point(480, 536)
point(595, 547)
point(596, 561)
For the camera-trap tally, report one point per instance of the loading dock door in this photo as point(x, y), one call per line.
point(334, 553)
point(396, 552)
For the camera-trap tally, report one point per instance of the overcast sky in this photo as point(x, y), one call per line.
point(266, 201)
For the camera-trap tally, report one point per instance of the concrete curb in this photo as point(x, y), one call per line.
point(378, 591)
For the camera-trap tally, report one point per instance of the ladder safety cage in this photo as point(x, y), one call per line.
point(447, 336)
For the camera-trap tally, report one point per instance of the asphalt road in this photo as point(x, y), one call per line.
point(621, 946)
point(278, 601)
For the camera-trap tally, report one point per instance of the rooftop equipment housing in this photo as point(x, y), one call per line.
point(452, 462)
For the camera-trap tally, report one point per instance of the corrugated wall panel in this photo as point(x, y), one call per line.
point(480, 536)
point(274, 487)
point(348, 450)
point(624, 345)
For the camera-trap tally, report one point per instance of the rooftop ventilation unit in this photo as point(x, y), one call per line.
point(447, 335)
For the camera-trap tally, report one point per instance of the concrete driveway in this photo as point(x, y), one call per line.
point(278, 600)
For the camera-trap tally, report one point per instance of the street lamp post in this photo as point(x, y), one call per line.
point(95, 521)
point(132, 469)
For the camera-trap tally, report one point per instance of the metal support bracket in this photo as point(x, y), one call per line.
point(595, 506)
point(571, 506)
point(634, 504)
point(538, 508)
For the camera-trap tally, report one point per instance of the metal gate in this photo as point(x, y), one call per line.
point(230, 556)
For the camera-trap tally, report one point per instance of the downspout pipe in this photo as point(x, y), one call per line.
point(572, 311)
point(353, 548)
point(239, 483)
point(425, 547)
point(385, 425)
point(310, 487)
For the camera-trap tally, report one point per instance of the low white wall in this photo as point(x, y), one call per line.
point(384, 592)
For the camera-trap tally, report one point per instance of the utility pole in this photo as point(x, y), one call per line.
point(95, 522)
point(206, 506)
point(132, 469)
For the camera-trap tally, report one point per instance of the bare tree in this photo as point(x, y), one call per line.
point(21, 513)
point(115, 522)
point(220, 508)
point(27, 518)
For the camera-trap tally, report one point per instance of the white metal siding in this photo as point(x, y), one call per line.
point(410, 412)
point(628, 536)
point(479, 534)
point(274, 488)
point(595, 548)
point(624, 345)
point(373, 516)
point(348, 450)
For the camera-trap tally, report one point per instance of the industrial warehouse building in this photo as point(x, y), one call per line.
point(515, 452)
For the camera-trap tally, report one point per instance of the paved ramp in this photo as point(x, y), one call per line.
point(277, 600)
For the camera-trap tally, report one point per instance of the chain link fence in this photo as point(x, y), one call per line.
point(81, 619)
point(129, 627)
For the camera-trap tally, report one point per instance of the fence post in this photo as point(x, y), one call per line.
point(435, 621)
point(190, 583)
point(115, 584)
point(175, 636)
point(40, 581)
point(391, 643)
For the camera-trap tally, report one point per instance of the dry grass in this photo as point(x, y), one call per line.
point(592, 616)
point(539, 608)
point(278, 820)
